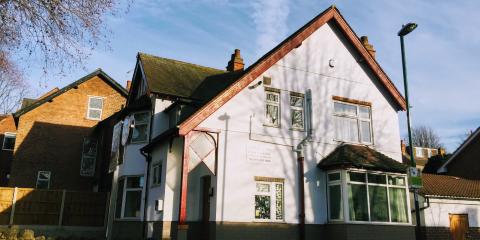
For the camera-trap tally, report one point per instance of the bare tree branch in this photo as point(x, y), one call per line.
point(424, 136)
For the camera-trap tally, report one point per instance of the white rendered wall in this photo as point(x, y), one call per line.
point(437, 215)
point(243, 133)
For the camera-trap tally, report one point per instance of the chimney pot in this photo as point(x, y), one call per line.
point(129, 84)
point(368, 46)
point(236, 62)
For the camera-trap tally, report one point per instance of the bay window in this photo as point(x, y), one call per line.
point(368, 196)
point(352, 122)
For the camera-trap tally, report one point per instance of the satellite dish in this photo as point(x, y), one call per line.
point(125, 130)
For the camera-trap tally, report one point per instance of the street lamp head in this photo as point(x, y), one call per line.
point(406, 29)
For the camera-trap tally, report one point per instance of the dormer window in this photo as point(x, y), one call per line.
point(95, 107)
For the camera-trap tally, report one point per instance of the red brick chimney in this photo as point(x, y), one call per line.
point(236, 62)
point(129, 84)
point(368, 46)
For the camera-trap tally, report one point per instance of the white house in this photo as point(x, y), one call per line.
point(302, 144)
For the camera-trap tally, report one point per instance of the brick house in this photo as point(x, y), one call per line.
point(421, 154)
point(464, 162)
point(55, 146)
point(8, 132)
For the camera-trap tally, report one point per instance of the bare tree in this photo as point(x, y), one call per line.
point(59, 33)
point(424, 136)
point(12, 88)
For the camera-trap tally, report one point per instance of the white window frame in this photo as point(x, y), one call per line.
point(294, 108)
point(141, 123)
point(90, 108)
point(124, 197)
point(345, 204)
point(48, 181)
point(273, 201)
point(8, 135)
point(158, 166)
point(358, 119)
point(276, 92)
point(419, 150)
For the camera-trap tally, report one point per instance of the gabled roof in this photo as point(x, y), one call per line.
point(475, 136)
point(362, 157)
point(449, 187)
point(45, 98)
point(269, 59)
point(174, 78)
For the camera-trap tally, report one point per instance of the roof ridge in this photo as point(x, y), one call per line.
point(181, 62)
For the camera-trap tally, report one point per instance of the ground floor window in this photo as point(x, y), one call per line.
point(129, 197)
point(368, 196)
point(269, 200)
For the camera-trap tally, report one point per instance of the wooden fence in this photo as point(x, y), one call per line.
point(27, 206)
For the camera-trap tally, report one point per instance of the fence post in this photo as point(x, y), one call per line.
point(14, 202)
point(62, 206)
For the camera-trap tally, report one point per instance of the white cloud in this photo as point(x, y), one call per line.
point(270, 18)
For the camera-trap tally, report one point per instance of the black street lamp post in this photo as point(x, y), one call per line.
point(406, 29)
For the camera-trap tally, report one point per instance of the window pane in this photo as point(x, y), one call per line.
point(364, 112)
point(272, 97)
point(42, 184)
point(356, 176)
point(279, 201)
point(347, 109)
point(346, 129)
point(297, 119)
point(263, 187)
point(398, 205)
point(296, 101)
point(262, 207)
point(8, 142)
point(272, 114)
point(132, 204)
point(43, 175)
point(139, 133)
point(377, 178)
point(357, 202)
point(94, 114)
point(118, 207)
point(365, 131)
point(334, 176)
point(419, 152)
point(335, 200)
point(141, 117)
point(134, 182)
point(96, 103)
point(378, 203)
point(398, 181)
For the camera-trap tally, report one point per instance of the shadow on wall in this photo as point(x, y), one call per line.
point(55, 148)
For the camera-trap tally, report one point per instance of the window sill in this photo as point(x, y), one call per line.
point(297, 129)
point(368, 223)
point(356, 143)
point(272, 126)
point(93, 119)
point(10, 150)
point(268, 221)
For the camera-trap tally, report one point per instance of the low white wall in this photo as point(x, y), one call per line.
point(437, 215)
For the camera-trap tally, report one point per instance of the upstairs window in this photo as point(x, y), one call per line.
point(272, 107)
point(140, 131)
point(43, 180)
point(269, 201)
point(95, 106)
point(156, 174)
point(9, 141)
point(297, 110)
point(89, 155)
point(353, 122)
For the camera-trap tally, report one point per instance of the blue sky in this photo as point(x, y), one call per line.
point(441, 53)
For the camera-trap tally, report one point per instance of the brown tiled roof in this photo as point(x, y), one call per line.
point(357, 156)
point(450, 187)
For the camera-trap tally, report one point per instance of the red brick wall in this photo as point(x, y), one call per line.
point(50, 137)
point(6, 125)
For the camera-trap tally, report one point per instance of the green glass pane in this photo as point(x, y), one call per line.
point(356, 177)
point(377, 178)
point(334, 176)
point(357, 202)
point(398, 205)
point(262, 207)
point(335, 200)
point(378, 203)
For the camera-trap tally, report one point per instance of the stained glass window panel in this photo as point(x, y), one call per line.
point(262, 207)
point(279, 201)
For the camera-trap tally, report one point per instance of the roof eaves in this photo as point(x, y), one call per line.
point(160, 138)
point(467, 142)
